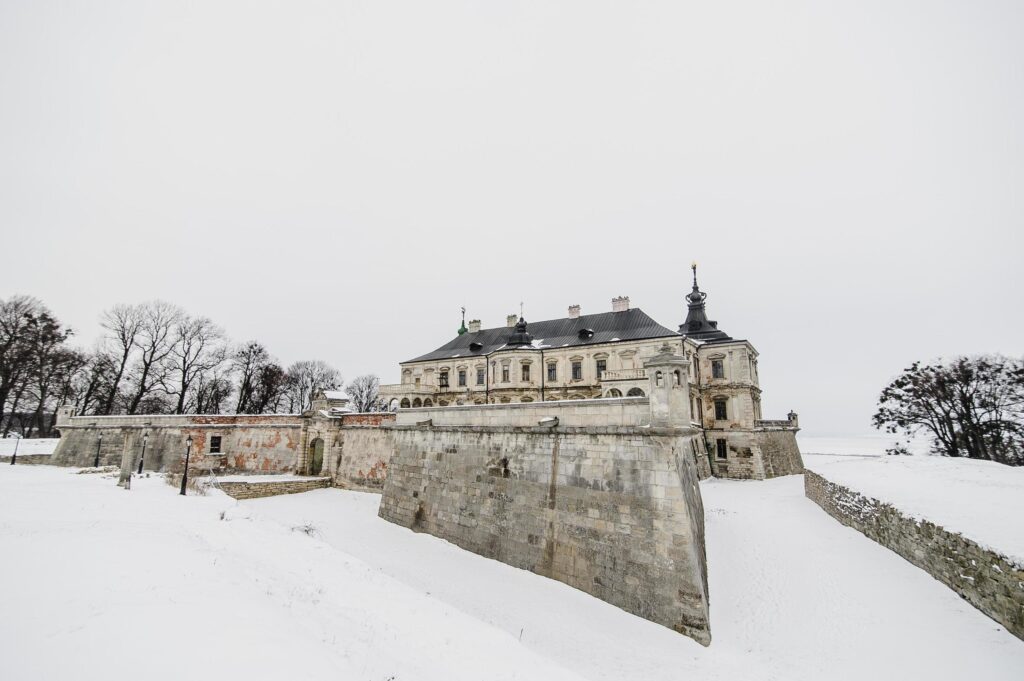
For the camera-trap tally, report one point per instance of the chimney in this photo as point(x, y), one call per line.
point(620, 304)
point(574, 311)
point(474, 325)
point(511, 320)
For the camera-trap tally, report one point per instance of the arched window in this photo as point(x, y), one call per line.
point(404, 404)
point(658, 378)
point(614, 392)
point(635, 392)
point(677, 377)
point(417, 403)
point(440, 403)
point(427, 402)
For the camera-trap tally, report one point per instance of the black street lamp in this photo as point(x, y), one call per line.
point(142, 458)
point(99, 443)
point(14, 457)
point(184, 475)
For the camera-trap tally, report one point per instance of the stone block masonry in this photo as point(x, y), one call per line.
point(256, 489)
point(615, 514)
point(989, 581)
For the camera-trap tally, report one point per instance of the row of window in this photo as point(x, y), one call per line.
point(577, 373)
point(600, 365)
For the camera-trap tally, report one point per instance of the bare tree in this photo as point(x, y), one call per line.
point(155, 342)
point(197, 349)
point(49, 361)
point(306, 379)
point(270, 389)
point(365, 393)
point(17, 316)
point(970, 407)
point(123, 324)
point(248, 360)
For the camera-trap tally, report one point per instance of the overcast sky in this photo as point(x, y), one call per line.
point(336, 178)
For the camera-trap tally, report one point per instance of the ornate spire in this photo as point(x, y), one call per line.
point(463, 329)
point(697, 324)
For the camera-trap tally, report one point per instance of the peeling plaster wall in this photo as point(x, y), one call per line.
point(264, 443)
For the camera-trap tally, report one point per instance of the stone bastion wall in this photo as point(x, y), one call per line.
point(616, 514)
point(601, 494)
point(989, 581)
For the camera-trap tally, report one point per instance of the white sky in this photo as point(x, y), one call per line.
point(336, 179)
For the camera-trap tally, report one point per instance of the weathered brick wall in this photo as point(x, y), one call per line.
point(256, 490)
point(615, 512)
point(265, 443)
point(989, 581)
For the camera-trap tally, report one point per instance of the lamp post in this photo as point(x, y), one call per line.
point(184, 475)
point(99, 443)
point(142, 458)
point(14, 457)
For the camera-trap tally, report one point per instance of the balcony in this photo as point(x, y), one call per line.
point(624, 375)
point(396, 389)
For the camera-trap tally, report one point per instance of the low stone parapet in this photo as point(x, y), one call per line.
point(254, 489)
point(990, 581)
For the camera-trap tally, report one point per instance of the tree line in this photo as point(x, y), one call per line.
point(968, 406)
point(152, 358)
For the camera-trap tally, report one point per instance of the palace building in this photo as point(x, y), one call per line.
point(598, 356)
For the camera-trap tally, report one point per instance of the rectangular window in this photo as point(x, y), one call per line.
point(504, 373)
point(443, 379)
point(577, 371)
point(717, 369)
point(526, 373)
point(721, 449)
point(462, 378)
point(215, 444)
point(721, 414)
point(602, 366)
point(552, 372)
point(479, 376)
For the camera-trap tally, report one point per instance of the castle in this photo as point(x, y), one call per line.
point(601, 356)
point(571, 448)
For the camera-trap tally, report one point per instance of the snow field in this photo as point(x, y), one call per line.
point(100, 583)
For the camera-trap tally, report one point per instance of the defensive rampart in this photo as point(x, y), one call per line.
point(602, 495)
point(990, 582)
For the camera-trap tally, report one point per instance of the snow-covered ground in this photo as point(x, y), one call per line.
point(100, 583)
point(863, 445)
point(28, 446)
point(981, 500)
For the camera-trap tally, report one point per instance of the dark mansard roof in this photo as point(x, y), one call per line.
point(628, 325)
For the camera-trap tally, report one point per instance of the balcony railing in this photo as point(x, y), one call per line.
point(777, 423)
point(624, 375)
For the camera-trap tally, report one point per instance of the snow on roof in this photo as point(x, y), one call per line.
point(335, 395)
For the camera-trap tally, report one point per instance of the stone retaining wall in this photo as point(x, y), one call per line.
point(987, 580)
point(255, 490)
point(614, 512)
point(27, 459)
